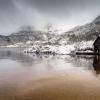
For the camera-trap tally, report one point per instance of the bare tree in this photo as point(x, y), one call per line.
point(49, 28)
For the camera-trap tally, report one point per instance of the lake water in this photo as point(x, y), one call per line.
point(47, 77)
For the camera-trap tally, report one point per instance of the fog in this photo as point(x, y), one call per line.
point(63, 14)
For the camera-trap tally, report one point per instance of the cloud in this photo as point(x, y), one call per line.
point(63, 14)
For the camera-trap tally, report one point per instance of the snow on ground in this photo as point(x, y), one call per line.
point(84, 45)
point(59, 49)
point(65, 49)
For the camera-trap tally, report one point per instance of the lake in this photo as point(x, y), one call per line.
point(48, 77)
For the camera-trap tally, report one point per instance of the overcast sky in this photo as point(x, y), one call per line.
point(63, 14)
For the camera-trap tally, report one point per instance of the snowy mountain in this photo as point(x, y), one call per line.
point(86, 32)
point(25, 37)
point(80, 37)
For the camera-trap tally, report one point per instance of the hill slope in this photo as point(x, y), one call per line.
point(84, 33)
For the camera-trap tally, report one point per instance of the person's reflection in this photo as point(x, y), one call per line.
point(96, 64)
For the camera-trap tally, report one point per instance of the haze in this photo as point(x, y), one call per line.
point(63, 14)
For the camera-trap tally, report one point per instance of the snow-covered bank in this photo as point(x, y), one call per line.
point(62, 49)
point(43, 47)
point(84, 45)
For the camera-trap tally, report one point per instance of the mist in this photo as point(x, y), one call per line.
point(62, 14)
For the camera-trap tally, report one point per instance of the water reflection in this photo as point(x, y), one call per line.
point(31, 59)
point(16, 56)
point(96, 64)
point(21, 72)
point(22, 58)
point(51, 62)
